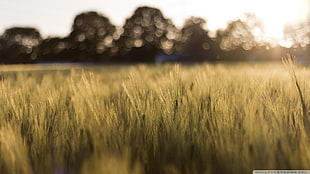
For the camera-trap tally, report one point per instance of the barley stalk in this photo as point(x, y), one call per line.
point(290, 63)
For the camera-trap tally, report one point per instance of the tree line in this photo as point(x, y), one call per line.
point(148, 36)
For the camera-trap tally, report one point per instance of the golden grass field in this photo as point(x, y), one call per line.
point(173, 119)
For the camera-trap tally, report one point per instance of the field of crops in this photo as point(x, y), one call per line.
point(173, 119)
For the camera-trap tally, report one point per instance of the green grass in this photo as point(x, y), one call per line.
point(210, 118)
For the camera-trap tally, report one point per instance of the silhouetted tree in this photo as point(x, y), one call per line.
point(20, 45)
point(298, 35)
point(255, 26)
point(2, 47)
point(236, 35)
point(260, 50)
point(92, 36)
point(56, 49)
point(146, 33)
point(195, 41)
point(235, 40)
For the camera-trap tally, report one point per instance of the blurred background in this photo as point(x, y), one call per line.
point(122, 31)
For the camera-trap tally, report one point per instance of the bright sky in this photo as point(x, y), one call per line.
point(55, 17)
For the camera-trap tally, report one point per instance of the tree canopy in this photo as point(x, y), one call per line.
point(92, 35)
point(146, 33)
point(195, 40)
point(147, 36)
point(19, 45)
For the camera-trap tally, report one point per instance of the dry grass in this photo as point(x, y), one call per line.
point(154, 119)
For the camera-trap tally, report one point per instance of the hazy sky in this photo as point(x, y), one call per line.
point(55, 17)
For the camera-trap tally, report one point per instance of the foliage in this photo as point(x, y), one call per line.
point(151, 119)
point(19, 45)
point(148, 36)
point(236, 35)
point(196, 42)
point(91, 35)
point(56, 49)
point(298, 35)
point(147, 33)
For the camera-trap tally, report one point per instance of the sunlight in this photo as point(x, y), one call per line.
point(274, 14)
point(277, 14)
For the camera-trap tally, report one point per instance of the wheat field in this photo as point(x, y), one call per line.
point(136, 119)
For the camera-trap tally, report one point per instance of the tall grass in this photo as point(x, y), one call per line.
point(154, 119)
point(290, 62)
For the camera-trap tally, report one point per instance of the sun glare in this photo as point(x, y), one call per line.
point(274, 14)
